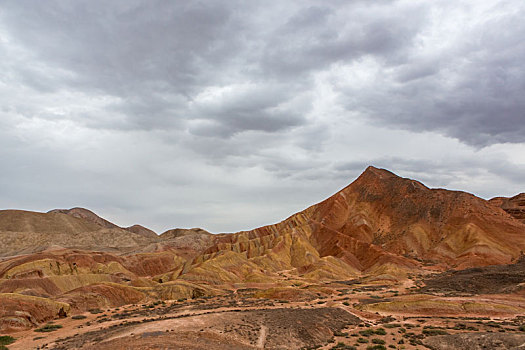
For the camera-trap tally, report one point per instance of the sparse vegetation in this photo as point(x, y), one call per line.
point(430, 332)
point(340, 334)
point(392, 325)
point(343, 346)
point(78, 317)
point(380, 331)
point(6, 340)
point(48, 328)
point(376, 347)
point(367, 332)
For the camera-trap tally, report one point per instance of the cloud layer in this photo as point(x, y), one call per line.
point(230, 115)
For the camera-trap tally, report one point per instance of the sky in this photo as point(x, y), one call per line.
point(229, 115)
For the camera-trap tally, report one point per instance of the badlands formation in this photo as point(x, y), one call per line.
point(384, 263)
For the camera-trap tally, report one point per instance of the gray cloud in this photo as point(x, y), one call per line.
point(235, 114)
point(468, 86)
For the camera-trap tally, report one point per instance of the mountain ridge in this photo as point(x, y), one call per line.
point(378, 204)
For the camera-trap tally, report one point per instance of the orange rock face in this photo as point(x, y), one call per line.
point(405, 218)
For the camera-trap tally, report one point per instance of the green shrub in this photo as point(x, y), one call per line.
point(434, 332)
point(376, 347)
point(343, 346)
point(380, 331)
point(378, 341)
point(48, 328)
point(367, 332)
point(392, 325)
point(78, 317)
point(6, 340)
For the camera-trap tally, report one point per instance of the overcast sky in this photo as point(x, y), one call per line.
point(229, 115)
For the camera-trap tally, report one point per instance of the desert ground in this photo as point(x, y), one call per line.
point(354, 314)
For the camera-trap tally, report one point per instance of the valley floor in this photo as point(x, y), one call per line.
point(343, 315)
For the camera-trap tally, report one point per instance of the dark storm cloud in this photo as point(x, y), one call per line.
point(156, 57)
point(316, 37)
point(471, 90)
point(224, 112)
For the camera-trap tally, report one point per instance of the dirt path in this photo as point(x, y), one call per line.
point(262, 337)
point(26, 339)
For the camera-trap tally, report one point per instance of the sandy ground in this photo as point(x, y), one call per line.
point(238, 321)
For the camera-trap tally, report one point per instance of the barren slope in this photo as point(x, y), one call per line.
point(27, 232)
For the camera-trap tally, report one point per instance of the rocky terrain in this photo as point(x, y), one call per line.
point(515, 206)
point(385, 262)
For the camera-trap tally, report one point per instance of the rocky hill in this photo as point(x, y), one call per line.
point(23, 232)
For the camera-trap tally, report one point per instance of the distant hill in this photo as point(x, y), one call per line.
point(27, 232)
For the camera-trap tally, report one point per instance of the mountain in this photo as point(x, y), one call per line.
point(514, 206)
point(406, 218)
point(382, 223)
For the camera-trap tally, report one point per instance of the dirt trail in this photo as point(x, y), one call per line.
point(262, 337)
